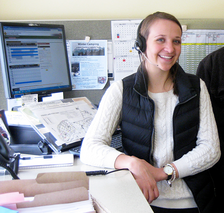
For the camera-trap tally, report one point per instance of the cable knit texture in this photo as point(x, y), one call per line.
point(95, 149)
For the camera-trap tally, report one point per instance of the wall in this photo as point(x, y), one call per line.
point(96, 16)
point(101, 9)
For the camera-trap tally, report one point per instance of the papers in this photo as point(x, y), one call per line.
point(42, 161)
point(88, 63)
point(51, 192)
point(196, 44)
point(10, 198)
point(16, 118)
point(62, 122)
point(76, 207)
point(126, 58)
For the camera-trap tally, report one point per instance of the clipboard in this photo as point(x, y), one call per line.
point(62, 124)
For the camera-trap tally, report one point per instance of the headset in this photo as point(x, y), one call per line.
point(140, 42)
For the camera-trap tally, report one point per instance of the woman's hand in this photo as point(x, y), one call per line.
point(144, 179)
point(145, 175)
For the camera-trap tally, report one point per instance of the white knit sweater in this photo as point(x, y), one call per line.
point(95, 150)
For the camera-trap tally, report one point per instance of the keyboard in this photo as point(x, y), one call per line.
point(116, 143)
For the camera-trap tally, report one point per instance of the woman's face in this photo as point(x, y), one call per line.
point(163, 44)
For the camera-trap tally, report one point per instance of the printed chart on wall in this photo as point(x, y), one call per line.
point(196, 44)
point(88, 64)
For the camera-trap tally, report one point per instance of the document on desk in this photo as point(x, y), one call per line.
point(76, 207)
point(61, 123)
point(43, 161)
point(52, 192)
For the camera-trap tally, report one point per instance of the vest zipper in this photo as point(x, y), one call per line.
point(173, 125)
point(187, 100)
point(153, 130)
point(153, 133)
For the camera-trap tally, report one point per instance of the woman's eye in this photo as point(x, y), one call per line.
point(161, 39)
point(177, 41)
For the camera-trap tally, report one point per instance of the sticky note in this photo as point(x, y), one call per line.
point(10, 198)
point(6, 210)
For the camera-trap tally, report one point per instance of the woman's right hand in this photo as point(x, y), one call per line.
point(145, 174)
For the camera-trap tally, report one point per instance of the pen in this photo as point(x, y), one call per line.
point(42, 157)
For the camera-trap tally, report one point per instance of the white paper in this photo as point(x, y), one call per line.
point(126, 58)
point(196, 44)
point(88, 64)
point(43, 161)
point(76, 207)
point(67, 121)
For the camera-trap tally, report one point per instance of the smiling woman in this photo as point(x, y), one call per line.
point(164, 48)
point(167, 123)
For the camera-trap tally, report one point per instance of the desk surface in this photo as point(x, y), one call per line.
point(117, 192)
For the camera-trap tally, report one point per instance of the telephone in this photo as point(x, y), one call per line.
point(8, 158)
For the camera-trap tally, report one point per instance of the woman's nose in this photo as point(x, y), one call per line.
point(169, 47)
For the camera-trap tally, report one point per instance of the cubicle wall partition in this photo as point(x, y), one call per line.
point(101, 29)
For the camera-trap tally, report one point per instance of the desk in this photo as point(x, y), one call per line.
point(117, 192)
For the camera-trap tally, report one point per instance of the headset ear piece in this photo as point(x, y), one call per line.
point(140, 43)
point(136, 46)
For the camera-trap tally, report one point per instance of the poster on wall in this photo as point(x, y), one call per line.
point(88, 64)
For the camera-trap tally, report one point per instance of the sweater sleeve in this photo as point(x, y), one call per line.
point(207, 151)
point(96, 148)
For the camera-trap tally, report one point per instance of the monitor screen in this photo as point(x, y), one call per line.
point(34, 59)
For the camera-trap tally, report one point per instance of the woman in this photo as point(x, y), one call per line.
point(169, 133)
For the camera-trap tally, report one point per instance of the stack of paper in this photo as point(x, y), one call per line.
point(49, 192)
point(77, 207)
point(43, 161)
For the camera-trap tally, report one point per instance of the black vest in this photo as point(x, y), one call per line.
point(138, 125)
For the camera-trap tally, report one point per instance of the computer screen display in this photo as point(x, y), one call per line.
point(34, 59)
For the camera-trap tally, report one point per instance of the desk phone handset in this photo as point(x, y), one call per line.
point(8, 159)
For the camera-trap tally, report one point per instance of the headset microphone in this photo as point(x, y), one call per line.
point(139, 50)
point(140, 44)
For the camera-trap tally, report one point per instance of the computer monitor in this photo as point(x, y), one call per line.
point(34, 59)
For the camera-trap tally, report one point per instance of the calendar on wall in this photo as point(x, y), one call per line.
point(125, 57)
point(196, 44)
